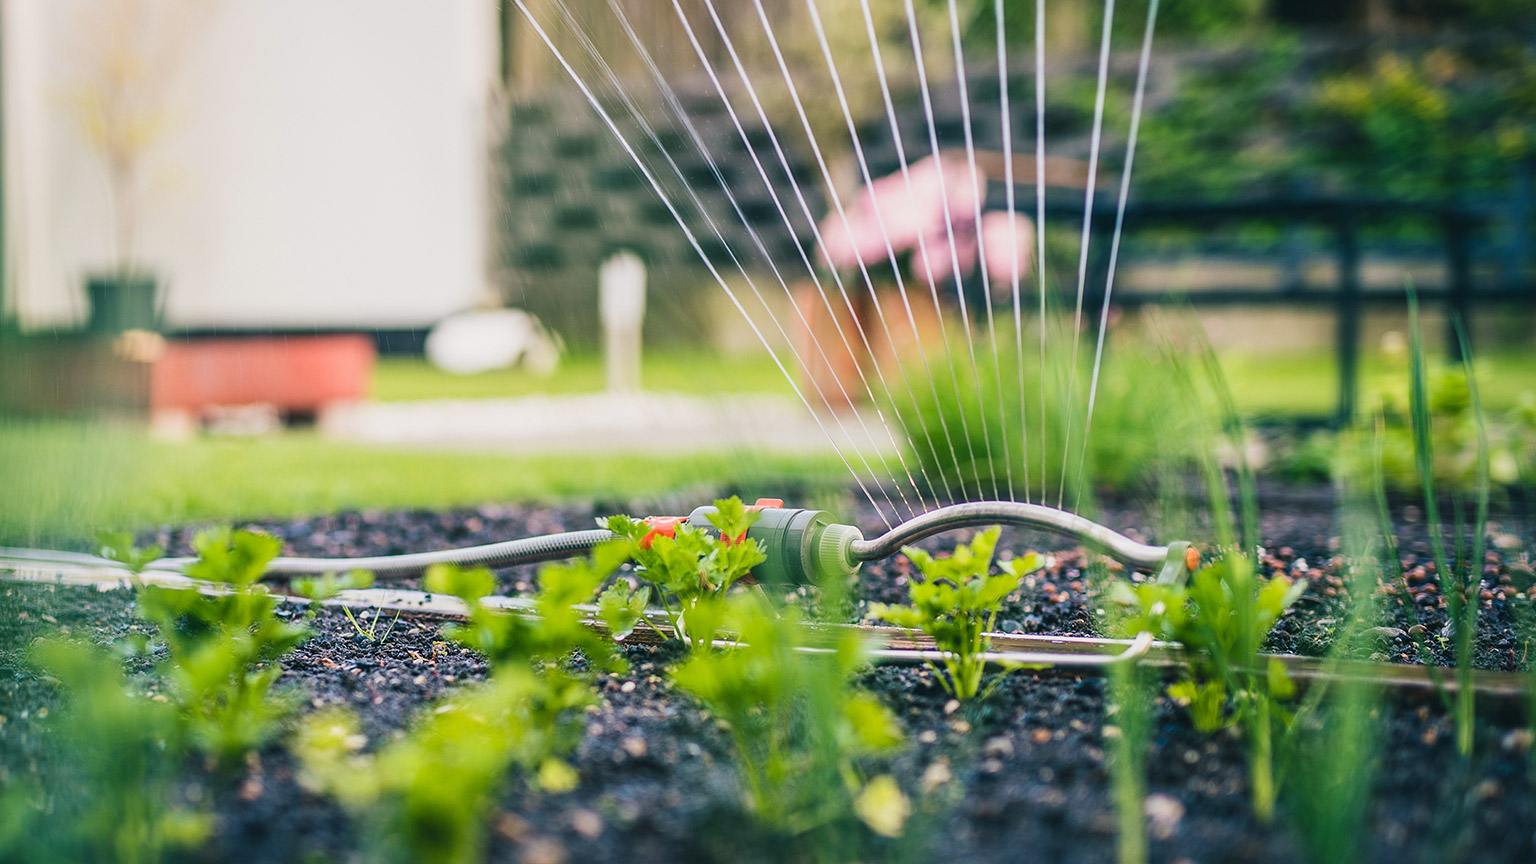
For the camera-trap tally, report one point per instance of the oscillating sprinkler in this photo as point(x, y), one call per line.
point(803, 546)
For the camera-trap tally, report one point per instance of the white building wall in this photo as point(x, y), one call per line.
point(323, 164)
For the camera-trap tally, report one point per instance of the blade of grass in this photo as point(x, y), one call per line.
point(1472, 569)
point(1453, 588)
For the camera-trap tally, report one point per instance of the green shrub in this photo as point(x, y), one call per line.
point(958, 438)
point(1453, 430)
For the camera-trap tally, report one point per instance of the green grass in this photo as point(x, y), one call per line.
point(66, 480)
point(399, 379)
point(1268, 384)
point(1306, 384)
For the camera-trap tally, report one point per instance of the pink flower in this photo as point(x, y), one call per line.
point(911, 207)
point(1010, 244)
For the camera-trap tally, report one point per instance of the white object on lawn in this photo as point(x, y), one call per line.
point(484, 340)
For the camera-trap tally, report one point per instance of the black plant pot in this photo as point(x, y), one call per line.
point(122, 302)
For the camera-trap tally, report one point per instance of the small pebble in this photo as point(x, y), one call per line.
point(1164, 812)
point(586, 823)
point(542, 850)
point(936, 775)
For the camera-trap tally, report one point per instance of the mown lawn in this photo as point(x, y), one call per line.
point(1296, 384)
point(65, 480)
point(399, 379)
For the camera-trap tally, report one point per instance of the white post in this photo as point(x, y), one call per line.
point(621, 305)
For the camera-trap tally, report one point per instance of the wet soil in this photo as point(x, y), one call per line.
point(1021, 777)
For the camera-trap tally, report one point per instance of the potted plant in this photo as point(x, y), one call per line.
point(130, 49)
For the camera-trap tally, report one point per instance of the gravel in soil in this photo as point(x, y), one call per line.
point(1023, 775)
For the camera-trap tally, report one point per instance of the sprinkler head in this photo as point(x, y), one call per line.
point(803, 546)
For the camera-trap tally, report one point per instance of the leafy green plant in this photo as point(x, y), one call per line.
point(222, 648)
point(1221, 619)
point(428, 794)
point(955, 603)
point(797, 729)
point(535, 652)
point(119, 546)
point(108, 792)
point(546, 638)
point(692, 568)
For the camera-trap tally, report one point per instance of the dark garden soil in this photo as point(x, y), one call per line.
point(1022, 777)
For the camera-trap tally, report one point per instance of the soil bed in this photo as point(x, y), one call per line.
point(1022, 776)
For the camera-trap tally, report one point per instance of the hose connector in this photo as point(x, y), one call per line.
point(803, 546)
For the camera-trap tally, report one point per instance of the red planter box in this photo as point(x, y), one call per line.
point(74, 376)
point(299, 374)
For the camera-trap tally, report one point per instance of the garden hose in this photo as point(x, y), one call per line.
point(803, 546)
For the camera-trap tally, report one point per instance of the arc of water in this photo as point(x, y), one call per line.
point(981, 252)
point(1006, 113)
point(1114, 244)
point(1082, 255)
point(842, 215)
point(949, 234)
point(1040, 225)
point(638, 116)
point(885, 237)
point(778, 205)
point(922, 249)
point(687, 232)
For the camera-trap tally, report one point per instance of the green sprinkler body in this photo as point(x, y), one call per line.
point(803, 546)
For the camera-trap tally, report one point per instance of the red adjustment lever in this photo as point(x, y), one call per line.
point(661, 526)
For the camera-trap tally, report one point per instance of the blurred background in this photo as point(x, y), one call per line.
point(278, 257)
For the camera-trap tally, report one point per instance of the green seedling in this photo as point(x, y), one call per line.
point(329, 585)
point(956, 604)
point(535, 651)
point(545, 639)
point(622, 609)
point(222, 649)
point(428, 795)
point(119, 546)
point(693, 569)
point(797, 728)
point(1221, 619)
point(107, 792)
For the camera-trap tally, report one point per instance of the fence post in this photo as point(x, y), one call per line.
point(1348, 312)
point(1458, 297)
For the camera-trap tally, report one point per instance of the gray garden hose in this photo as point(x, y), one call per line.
point(1139, 556)
point(823, 548)
point(529, 550)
